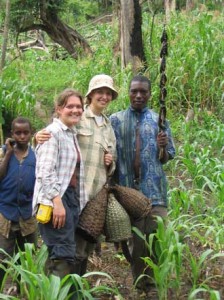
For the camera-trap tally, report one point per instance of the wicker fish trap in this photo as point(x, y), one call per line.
point(134, 202)
point(92, 218)
point(117, 224)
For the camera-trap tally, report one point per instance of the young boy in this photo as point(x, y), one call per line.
point(17, 179)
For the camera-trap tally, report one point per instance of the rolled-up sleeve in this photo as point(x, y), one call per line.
point(46, 169)
point(113, 151)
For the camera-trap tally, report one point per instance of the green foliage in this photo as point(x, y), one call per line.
point(35, 285)
point(24, 13)
point(197, 201)
point(194, 64)
point(195, 176)
point(169, 252)
point(16, 99)
point(79, 11)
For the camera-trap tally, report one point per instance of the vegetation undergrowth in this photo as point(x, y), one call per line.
point(26, 269)
point(190, 248)
point(194, 67)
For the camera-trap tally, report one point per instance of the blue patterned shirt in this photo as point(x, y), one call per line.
point(152, 181)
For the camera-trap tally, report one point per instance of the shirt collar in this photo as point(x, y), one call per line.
point(139, 111)
point(90, 114)
point(63, 126)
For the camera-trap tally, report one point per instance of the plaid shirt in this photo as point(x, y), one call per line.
point(56, 162)
point(91, 138)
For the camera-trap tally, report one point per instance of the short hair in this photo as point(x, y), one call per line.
point(141, 78)
point(62, 99)
point(20, 120)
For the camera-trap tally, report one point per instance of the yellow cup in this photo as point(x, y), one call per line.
point(44, 213)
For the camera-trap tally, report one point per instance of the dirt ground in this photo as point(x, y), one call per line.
point(114, 264)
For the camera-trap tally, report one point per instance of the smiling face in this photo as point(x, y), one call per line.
point(70, 113)
point(139, 94)
point(100, 98)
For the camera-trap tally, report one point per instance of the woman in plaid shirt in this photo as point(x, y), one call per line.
point(60, 183)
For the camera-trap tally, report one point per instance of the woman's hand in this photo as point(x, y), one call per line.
point(59, 213)
point(42, 136)
point(108, 159)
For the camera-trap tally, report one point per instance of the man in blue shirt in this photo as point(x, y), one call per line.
point(17, 178)
point(140, 165)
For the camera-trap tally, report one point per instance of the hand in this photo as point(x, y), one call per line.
point(162, 139)
point(59, 213)
point(108, 159)
point(9, 144)
point(42, 136)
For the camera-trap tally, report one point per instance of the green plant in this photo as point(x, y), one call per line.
point(27, 268)
point(165, 245)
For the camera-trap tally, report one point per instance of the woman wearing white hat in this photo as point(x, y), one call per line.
point(95, 135)
point(98, 148)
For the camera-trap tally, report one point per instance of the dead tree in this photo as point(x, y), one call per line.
point(170, 6)
point(5, 34)
point(131, 43)
point(56, 29)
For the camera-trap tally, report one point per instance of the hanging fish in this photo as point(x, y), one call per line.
point(163, 80)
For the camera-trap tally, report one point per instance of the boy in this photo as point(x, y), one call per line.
point(17, 179)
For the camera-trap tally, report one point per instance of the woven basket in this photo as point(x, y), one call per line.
point(134, 202)
point(117, 225)
point(92, 218)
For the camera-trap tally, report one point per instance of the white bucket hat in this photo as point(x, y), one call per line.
point(102, 80)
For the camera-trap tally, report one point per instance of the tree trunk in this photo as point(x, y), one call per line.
point(5, 34)
point(173, 5)
point(58, 31)
point(170, 6)
point(4, 48)
point(131, 43)
point(30, 44)
point(189, 5)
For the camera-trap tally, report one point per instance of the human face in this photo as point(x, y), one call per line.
point(139, 94)
point(100, 98)
point(21, 133)
point(70, 114)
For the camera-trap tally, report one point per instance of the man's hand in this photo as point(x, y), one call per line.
point(9, 144)
point(162, 139)
point(162, 142)
point(4, 161)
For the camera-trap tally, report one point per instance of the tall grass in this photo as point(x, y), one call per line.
point(197, 203)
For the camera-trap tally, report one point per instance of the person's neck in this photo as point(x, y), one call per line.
point(138, 110)
point(21, 151)
point(96, 112)
point(22, 148)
